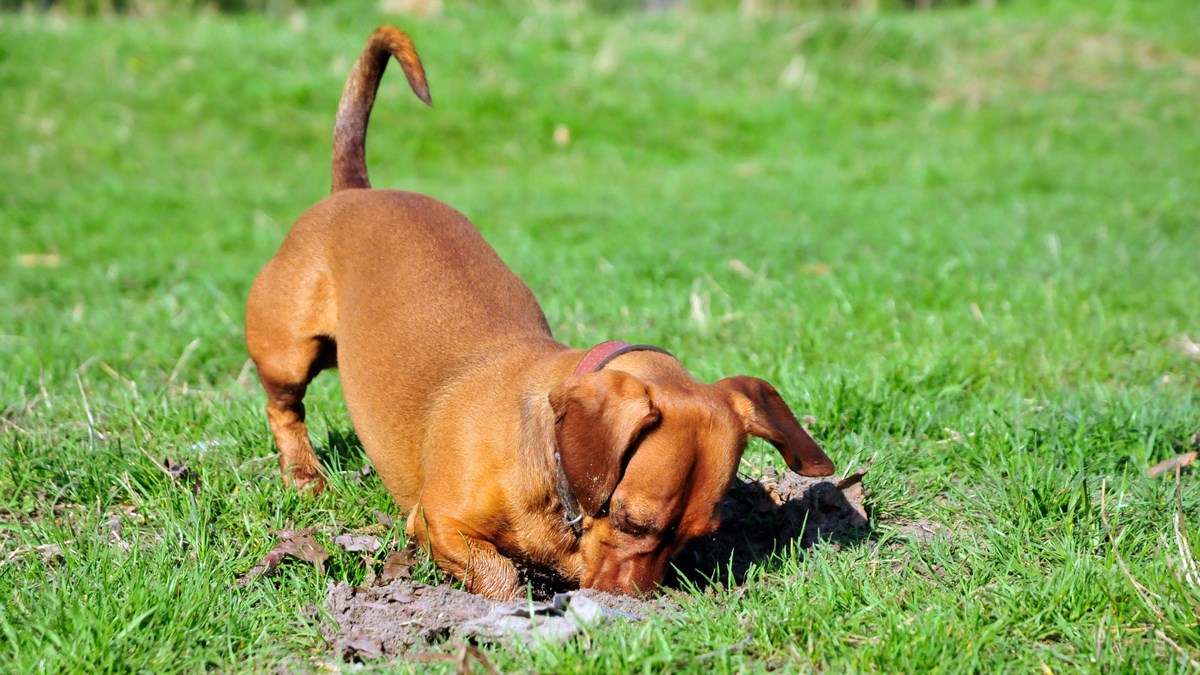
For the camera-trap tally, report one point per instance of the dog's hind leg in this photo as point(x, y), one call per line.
point(289, 349)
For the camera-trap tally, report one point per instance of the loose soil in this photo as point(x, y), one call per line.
point(760, 517)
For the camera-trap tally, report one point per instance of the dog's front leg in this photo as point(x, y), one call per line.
point(475, 562)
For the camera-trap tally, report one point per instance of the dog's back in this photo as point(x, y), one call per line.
point(397, 289)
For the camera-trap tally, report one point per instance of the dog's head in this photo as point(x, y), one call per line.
point(650, 460)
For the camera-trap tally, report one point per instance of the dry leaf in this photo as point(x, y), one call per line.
point(362, 645)
point(358, 542)
point(854, 497)
point(852, 487)
point(264, 567)
point(856, 477)
point(1176, 462)
point(295, 543)
point(50, 553)
point(384, 519)
point(306, 548)
point(397, 565)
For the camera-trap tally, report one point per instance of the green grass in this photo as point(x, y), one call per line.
point(966, 242)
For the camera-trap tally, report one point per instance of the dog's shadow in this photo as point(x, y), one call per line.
point(342, 451)
point(756, 528)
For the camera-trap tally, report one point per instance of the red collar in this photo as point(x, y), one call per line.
point(597, 357)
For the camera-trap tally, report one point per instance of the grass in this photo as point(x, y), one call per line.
point(964, 241)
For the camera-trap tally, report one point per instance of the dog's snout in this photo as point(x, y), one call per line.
point(636, 575)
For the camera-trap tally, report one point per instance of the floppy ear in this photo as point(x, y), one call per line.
point(767, 416)
point(597, 418)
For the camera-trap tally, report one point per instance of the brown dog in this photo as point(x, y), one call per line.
point(505, 447)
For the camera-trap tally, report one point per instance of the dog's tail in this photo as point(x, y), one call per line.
point(350, 131)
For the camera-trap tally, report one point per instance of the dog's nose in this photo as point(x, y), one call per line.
point(634, 575)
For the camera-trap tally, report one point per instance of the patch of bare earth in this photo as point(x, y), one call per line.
point(406, 618)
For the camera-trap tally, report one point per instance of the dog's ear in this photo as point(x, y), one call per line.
point(766, 415)
point(598, 417)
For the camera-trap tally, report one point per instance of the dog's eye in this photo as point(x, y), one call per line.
point(637, 527)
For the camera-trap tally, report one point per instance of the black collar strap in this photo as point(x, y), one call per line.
point(572, 515)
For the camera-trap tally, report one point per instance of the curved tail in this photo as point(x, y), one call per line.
point(350, 130)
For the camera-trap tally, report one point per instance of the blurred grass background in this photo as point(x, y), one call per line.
point(142, 7)
point(965, 240)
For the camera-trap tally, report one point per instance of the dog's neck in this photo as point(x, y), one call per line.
point(539, 448)
point(593, 361)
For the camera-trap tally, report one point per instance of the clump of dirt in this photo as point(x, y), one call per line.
point(395, 618)
point(401, 615)
point(759, 517)
point(405, 616)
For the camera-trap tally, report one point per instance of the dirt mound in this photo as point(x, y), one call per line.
point(760, 517)
point(394, 618)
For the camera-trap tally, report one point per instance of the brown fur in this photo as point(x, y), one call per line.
point(461, 397)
